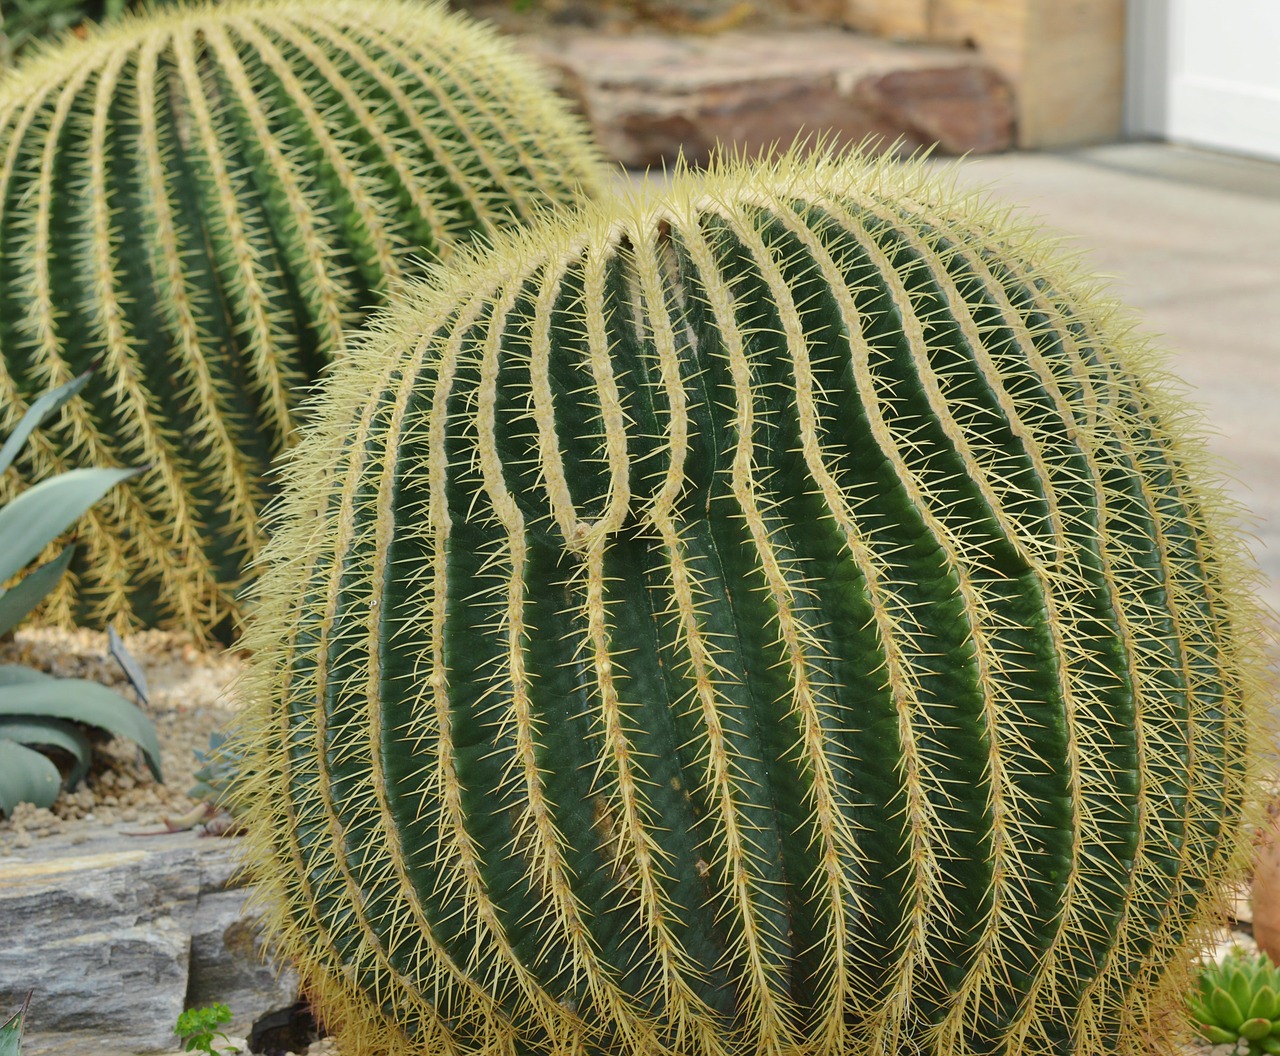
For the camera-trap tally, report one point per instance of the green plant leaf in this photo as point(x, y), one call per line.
point(41, 513)
point(26, 776)
point(36, 414)
point(27, 692)
point(1239, 983)
point(1265, 1004)
point(132, 670)
point(52, 733)
point(1270, 1044)
point(11, 1031)
point(1225, 1010)
point(1216, 1035)
point(1255, 1029)
point(28, 592)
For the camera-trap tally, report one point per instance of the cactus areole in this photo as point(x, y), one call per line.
point(203, 199)
point(773, 616)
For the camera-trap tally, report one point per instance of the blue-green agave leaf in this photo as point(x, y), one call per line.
point(36, 414)
point(11, 1031)
point(26, 776)
point(27, 692)
point(131, 668)
point(28, 592)
point(41, 513)
point(52, 733)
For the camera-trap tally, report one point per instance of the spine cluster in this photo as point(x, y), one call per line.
point(204, 201)
point(776, 617)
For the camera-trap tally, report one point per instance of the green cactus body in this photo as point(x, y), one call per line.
point(773, 616)
point(204, 200)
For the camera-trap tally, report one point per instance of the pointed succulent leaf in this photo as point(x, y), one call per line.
point(1255, 1029)
point(39, 410)
point(1225, 1010)
point(1270, 1044)
point(1265, 1003)
point(40, 514)
point(1238, 982)
point(1215, 1034)
point(18, 601)
point(131, 668)
point(27, 692)
point(26, 776)
point(35, 732)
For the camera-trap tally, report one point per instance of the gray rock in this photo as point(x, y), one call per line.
point(117, 935)
point(229, 964)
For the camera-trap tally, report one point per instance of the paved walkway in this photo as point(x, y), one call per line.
point(1192, 240)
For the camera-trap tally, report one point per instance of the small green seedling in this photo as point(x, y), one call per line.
point(198, 1027)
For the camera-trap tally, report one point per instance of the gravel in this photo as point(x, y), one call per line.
point(190, 691)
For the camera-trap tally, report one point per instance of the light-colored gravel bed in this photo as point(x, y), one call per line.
point(189, 697)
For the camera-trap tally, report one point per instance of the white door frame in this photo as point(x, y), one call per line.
point(1178, 87)
point(1146, 88)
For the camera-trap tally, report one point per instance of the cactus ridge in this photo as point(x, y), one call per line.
point(780, 614)
point(206, 199)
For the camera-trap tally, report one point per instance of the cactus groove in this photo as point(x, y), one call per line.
point(781, 614)
point(204, 199)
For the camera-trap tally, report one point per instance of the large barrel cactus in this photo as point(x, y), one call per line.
point(775, 616)
point(203, 200)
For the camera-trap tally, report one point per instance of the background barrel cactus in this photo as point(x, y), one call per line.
point(776, 616)
point(204, 200)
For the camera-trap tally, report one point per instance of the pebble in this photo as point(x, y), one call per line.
point(189, 701)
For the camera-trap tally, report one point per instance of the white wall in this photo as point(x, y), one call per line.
point(1206, 72)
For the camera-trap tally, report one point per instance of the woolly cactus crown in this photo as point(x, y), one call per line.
point(204, 198)
point(779, 615)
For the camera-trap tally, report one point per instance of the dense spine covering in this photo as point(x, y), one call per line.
point(774, 616)
point(204, 200)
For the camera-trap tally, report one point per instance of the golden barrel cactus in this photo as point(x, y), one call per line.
point(203, 200)
point(778, 615)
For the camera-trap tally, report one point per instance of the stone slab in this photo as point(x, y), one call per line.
point(117, 934)
point(650, 97)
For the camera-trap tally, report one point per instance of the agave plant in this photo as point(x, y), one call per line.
point(38, 710)
point(219, 774)
point(1238, 1000)
point(783, 614)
